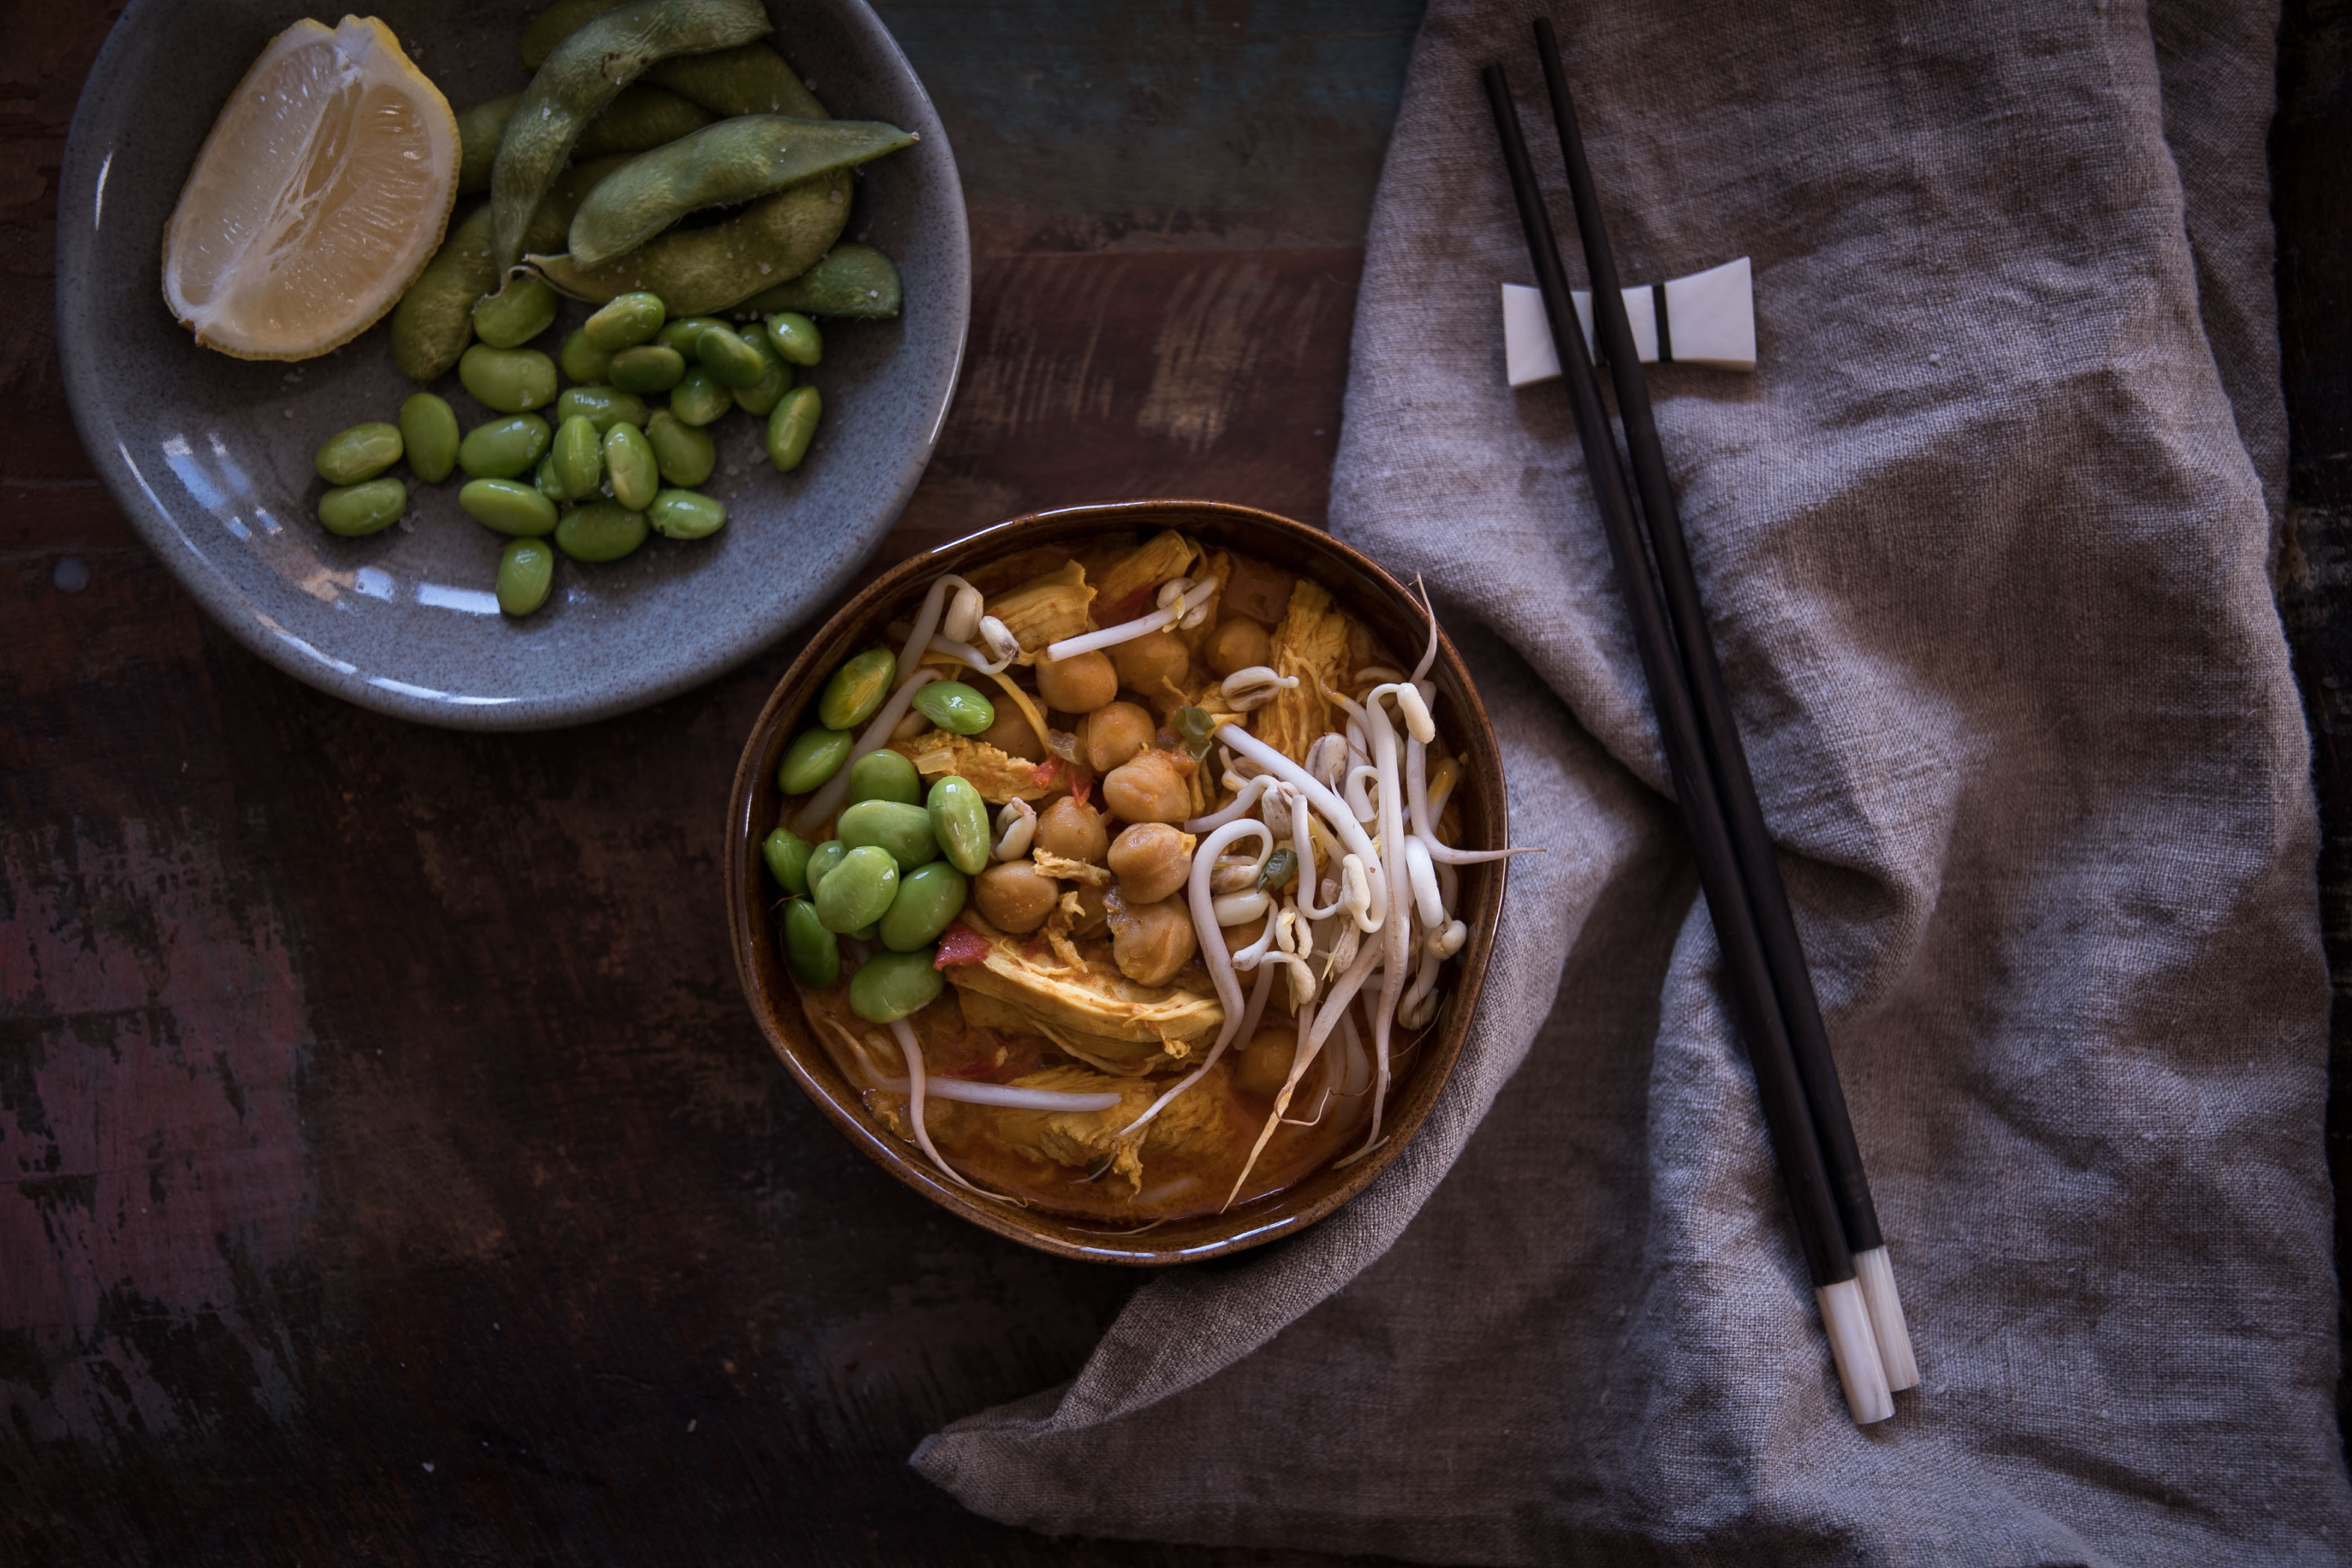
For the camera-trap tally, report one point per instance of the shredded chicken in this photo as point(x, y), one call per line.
point(1312, 643)
point(998, 775)
point(1046, 609)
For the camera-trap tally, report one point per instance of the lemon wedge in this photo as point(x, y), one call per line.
point(321, 194)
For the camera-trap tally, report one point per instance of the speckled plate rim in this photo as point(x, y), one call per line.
point(1253, 1225)
point(89, 399)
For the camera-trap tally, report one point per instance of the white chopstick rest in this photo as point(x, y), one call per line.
point(1876, 1274)
point(1854, 1350)
point(1710, 319)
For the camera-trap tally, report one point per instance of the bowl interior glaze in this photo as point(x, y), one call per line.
point(1366, 592)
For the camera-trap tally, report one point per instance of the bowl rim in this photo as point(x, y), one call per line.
point(743, 874)
point(90, 398)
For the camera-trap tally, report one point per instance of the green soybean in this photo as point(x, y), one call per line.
point(582, 75)
point(854, 693)
point(955, 707)
point(504, 449)
point(603, 407)
point(581, 359)
point(904, 832)
point(714, 267)
point(624, 321)
point(890, 985)
point(361, 452)
point(648, 367)
point(850, 280)
point(750, 78)
point(640, 117)
point(858, 891)
point(577, 460)
point(478, 128)
point(795, 338)
point(686, 455)
point(435, 319)
point(786, 854)
point(516, 313)
point(885, 775)
point(699, 398)
point(356, 510)
point(508, 507)
point(960, 823)
point(683, 514)
point(681, 334)
point(428, 431)
point(814, 756)
point(526, 572)
point(512, 381)
point(823, 860)
point(928, 898)
point(761, 397)
point(811, 952)
point(542, 480)
point(791, 425)
point(601, 531)
point(729, 357)
point(630, 468)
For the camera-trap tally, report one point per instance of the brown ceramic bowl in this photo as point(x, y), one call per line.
point(1368, 593)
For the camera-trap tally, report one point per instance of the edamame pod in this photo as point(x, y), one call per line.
point(855, 692)
point(584, 360)
point(512, 381)
point(791, 425)
point(710, 269)
point(508, 507)
point(526, 572)
point(729, 358)
point(601, 531)
point(515, 314)
point(858, 891)
point(928, 898)
point(602, 406)
point(624, 321)
point(903, 832)
point(811, 952)
point(648, 367)
point(795, 338)
point(686, 455)
point(683, 514)
point(630, 468)
point(883, 775)
point(823, 860)
point(786, 854)
point(577, 461)
point(555, 23)
point(681, 334)
point(479, 130)
point(580, 77)
point(751, 78)
point(761, 397)
point(699, 398)
point(361, 452)
point(955, 707)
point(428, 433)
point(357, 510)
point(504, 449)
point(960, 823)
point(850, 280)
point(890, 985)
point(641, 117)
point(736, 160)
point(814, 756)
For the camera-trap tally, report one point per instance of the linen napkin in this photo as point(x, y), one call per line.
point(1984, 543)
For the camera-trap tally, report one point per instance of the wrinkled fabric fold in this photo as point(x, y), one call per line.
point(1984, 546)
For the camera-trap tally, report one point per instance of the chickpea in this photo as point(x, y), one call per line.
point(1265, 1066)
point(1115, 733)
point(1149, 943)
point(1073, 830)
point(1013, 898)
point(1011, 736)
point(1151, 861)
point(1152, 663)
point(1237, 645)
point(1151, 788)
point(1078, 685)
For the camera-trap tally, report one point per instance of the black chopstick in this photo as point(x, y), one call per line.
point(1788, 1120)
point(1767, 900)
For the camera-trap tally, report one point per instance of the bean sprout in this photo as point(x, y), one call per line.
point(916, 1085)
point(1248, 1024)
point(1359, 802)
point(1326, 757)
point(1373, 674)
point(1351, 831)
point(827, 798)
point(1422, 873)
point(1016, 825)
point(927, 621)
point(912, 725)
point(963, 617)
point(1251, 789)
point(963, 652)
point(1213, 954)
point(1254, 688)
point(1011, 1097)
point(1239, 909)
point(1127, 631)
point(1416, 769)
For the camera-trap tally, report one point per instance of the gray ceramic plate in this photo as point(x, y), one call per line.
point(210, 455)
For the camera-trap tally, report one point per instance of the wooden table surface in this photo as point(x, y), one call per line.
point(398, 1177)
